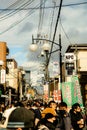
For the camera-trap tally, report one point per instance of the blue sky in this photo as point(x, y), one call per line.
point(15, 52)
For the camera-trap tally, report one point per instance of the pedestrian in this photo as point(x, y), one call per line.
point(1, 113)
point(63, 118)
point(35, 107)
point(76, 117)
point(51, 108)
point(6, 114)
point(47, 123)
point(21, 119)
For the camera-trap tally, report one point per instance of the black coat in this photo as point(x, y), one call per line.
point(50, 125)
point(46, 123)
point(63, 121)
point(74, 118)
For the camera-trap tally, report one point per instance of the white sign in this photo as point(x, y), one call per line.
point(70, 57)
point(1, 62)
point(56, 68)
point(3, 73)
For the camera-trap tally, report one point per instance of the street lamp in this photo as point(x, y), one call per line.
point(46, 48)
point(34, 46)
point(45, 51)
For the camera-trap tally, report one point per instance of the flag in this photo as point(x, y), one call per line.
point(71, 92)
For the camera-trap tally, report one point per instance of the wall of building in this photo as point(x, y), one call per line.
point(82, 60)
point(12, 76)
point(3, 53)
point(80, 50)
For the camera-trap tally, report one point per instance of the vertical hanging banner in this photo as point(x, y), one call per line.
point(77, 91)
point(57, 95)
point(67, 90)
point(46, 89)
point(71, 92)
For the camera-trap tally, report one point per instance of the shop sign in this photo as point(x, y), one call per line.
point(3, 74)
point(69, 57)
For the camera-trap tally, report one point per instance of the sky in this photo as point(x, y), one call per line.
point(20, 19)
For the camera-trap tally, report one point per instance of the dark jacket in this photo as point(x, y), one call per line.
point(74, 118)
point(64, 121)
point(43, 124)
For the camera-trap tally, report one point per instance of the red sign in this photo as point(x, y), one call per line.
point(57, 95)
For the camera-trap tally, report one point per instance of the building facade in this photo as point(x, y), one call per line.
point(4, 51)
point(12, 75)
point(80, 52)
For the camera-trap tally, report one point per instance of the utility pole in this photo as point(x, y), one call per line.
point(46, 67)
point(60, 58)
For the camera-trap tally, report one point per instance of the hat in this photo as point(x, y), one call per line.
point(49, 116)
point(48, 110)
point(21, 117)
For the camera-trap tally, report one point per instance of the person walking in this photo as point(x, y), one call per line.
point(63, 119)
point(47, 123)
point(76, 117)
point(51, 108)
point(35, 107)
point(21, 119)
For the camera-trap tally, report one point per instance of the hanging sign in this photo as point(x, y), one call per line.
point(69, 57)
point(3, 74)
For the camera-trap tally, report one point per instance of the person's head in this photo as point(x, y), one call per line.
point(18, 104)
point(21, 118)
point(52, 104)
point(50, 117)
point(63, 106)
point(76, 107)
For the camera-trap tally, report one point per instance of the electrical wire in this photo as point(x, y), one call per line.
point(65, 5)
point(58, 16)
point(9, 14)
point(65, 33)
point(41, 15)
point(51, 25)
point(33, 11)
point(19, 21)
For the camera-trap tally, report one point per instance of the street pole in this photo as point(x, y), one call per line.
point(60, 58)
point(47, 73)
point(33, 47)
point(46, 67)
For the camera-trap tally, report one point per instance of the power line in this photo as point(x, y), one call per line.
point(58, 16)
point(65, 5)
point(19, 21)
point(14, 11)
point(33, 10)
point(65, 33)
point(41, 15)
point(51, 25)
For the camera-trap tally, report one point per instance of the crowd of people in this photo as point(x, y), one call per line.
point(39, 115)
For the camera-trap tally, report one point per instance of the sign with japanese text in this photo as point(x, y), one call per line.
point(46, 90)
point(67, 92)
point(77, 91)
point(57, 95)
point(71, 92)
